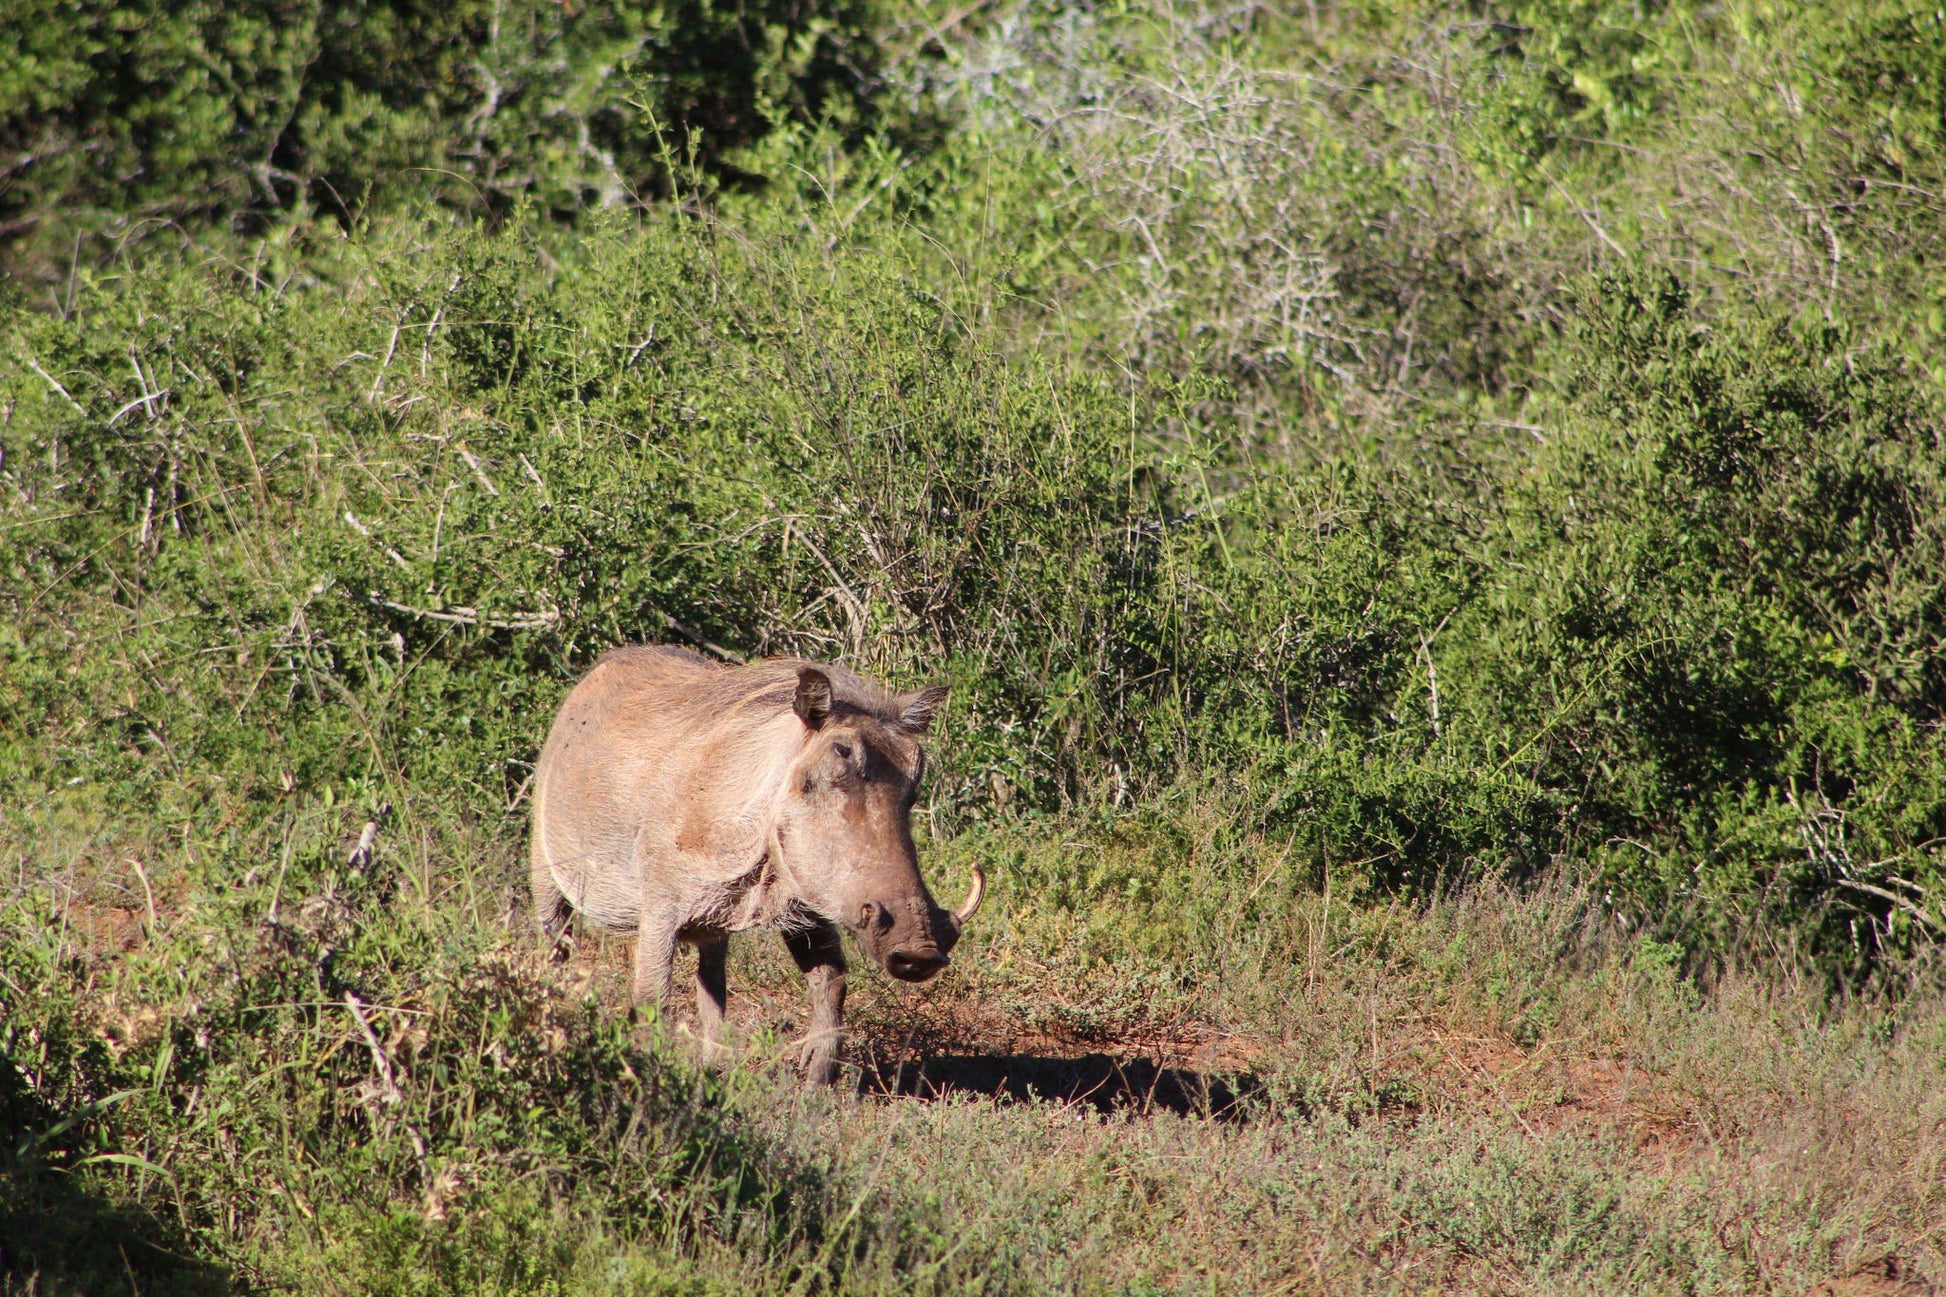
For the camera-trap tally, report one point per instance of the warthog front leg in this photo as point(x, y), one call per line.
point(821, 958)
point(655, 959)
point(712, 994)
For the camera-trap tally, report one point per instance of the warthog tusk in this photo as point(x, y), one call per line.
point(974, 894)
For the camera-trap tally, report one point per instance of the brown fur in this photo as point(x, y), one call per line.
point(682, 801)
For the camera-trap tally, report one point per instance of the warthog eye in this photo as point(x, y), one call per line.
point(843, 750)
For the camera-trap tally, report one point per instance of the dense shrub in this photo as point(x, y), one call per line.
point(115, 112)
point(683, 437)
point(1695, 635)
point(1716, 619)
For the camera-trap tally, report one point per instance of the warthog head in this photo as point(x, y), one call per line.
point(844, 827)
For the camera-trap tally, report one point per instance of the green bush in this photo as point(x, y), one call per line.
point(225, 112)
point(1717, 611)
point(1695, 635)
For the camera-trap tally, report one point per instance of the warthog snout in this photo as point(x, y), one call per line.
point(917, 964)
point(914, 940)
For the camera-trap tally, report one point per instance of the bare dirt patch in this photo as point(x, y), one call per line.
point(1884, 1277)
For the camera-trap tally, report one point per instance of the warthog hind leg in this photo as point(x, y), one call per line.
point(551, 915)
point(821, 958)
point(712, 994)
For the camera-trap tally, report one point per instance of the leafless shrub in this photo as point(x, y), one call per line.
point(1188, 163)
point(1236, 211)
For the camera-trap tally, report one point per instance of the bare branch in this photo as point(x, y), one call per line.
point(697, 638)
point(458, 615)
point(387, 1090)
point(54, 383)
point(1901, 902)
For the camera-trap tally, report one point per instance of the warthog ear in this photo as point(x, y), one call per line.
point(813, 701)
point(917, 711)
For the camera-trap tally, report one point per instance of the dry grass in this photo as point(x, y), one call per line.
point(1494, 1093)
point(1499, 1091)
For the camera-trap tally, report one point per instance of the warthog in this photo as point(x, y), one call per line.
point(683, 801)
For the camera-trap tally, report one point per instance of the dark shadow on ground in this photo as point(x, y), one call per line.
point(58, 1236)
point(57, 1239)
point(1107, 1085)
